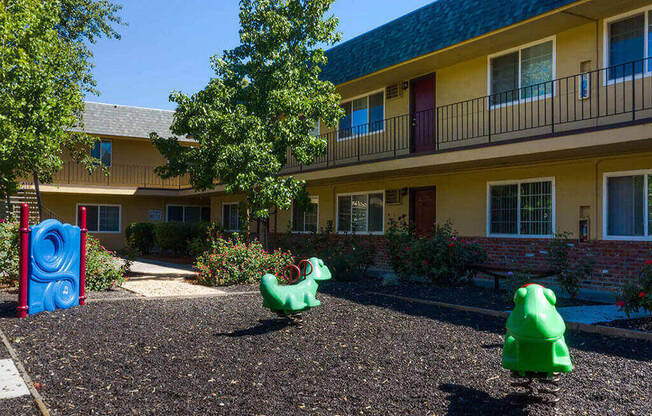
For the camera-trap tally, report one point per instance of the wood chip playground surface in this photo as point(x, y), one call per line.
point(357, 354)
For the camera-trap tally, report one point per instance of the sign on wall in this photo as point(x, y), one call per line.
point(154, 215)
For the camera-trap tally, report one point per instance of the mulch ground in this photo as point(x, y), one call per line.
point(356, 354)
point(637, 324)
point(20, 405)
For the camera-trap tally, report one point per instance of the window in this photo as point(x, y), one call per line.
point(188, 213)
point(524, 73)
point(362, 116)
point(101, 218)
point(361, 213)
point(315, 130)
point(305, 219)
point(523, 208)
point(627, 43)
point(101, 151)
point(628, 202)
point(231, 217)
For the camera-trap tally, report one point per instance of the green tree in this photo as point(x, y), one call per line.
point(263, 102)
point(45, 70)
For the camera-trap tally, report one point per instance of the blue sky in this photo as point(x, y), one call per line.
point(168, 43)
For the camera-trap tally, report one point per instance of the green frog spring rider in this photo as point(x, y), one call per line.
point(534, 345)
point(290, 300)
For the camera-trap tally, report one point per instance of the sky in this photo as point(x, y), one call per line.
point(168, 43)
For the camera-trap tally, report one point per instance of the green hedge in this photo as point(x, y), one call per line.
point(169, 237)
point(140, 236)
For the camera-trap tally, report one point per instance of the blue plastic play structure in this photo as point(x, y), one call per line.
point(53, 276)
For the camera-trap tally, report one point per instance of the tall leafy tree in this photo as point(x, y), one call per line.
point(262, 104)
point(45, 70)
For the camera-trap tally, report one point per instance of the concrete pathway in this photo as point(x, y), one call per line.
point(156, 286)
point(149, 267)
point(597, 313)
point(11, 382)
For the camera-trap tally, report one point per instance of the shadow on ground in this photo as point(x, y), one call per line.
point(359, 292)
point(465, 400)
point(264, 327)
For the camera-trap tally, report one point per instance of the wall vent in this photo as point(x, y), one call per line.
point(393, 91)
point(393, 196)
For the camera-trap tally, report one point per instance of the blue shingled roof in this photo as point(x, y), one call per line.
point(428, 29)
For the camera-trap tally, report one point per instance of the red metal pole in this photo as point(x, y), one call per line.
point(24, 260)
point(82, 256)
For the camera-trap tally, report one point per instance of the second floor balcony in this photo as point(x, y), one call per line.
point(119, 175)
point(604, 98)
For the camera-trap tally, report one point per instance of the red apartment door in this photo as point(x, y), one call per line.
point(423, 114)
point(423, 210)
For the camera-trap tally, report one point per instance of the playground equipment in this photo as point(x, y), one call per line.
point(52, 265)
point(290, 300)
point(534, 346)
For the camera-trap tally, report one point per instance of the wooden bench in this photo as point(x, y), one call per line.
point(500, 272)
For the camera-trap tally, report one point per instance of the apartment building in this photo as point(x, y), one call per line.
point(515, 120)
point(132, 191)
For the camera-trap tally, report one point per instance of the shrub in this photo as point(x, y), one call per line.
point(182, 239)
point(233, 261)
point(104, 271)
point(569, 274)
point(442, 257)
point(514, 281)
point(140, 236)
point(348, 256)
point(637, 296)
point(9, 252)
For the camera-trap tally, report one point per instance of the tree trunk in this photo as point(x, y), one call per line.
point(39, 202)
point(264, 234)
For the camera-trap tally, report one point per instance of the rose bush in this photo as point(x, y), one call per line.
point(9, 252)
point(442, 257)
point(104, 270)
point(232, 261)
point(348, 256)
point(636, 296)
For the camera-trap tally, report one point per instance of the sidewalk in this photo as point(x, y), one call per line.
point(596, 314)
point(149, 267)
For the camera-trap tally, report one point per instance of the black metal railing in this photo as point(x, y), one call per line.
point(604, 97)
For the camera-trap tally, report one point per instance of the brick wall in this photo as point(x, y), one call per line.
point(615, 262)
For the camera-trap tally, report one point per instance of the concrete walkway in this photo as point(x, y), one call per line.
point(157, 286)
point(597, 313)
point(149, 267)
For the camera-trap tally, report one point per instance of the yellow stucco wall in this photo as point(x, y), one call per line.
point(462, 195)
point(133, 209)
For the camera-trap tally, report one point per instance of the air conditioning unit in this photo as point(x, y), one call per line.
point(393, 196)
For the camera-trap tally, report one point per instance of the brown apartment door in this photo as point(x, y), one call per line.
point(423, 114)
point(423, 203)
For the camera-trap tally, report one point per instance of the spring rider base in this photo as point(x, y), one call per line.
point(291, 300)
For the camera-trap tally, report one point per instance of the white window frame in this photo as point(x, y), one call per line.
point(518, 217)
point(99, 161)
point(605, 228)
point(350, 231)
point(98, 217)
point(184, 206)
point(350, 100)
point(314, 200)
point(605, 44)
point(224, 204)
point(519, 48)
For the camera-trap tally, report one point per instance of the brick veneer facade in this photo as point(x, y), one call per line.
point(615, 262)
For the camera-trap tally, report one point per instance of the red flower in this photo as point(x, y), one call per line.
point(451, 245)
point(425, 262)
point(648, 262)
point(621, 304)
point(642, 294)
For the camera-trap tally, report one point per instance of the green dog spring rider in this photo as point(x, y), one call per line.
point(291, 300)
point(535, 348)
